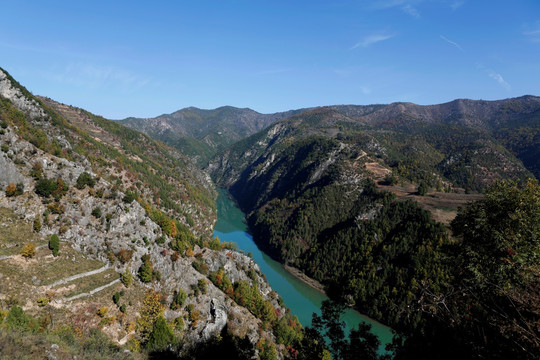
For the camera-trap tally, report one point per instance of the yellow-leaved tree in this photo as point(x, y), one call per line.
point(152, 309)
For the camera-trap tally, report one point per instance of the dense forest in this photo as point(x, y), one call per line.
point(474, 295)
point(307, 186)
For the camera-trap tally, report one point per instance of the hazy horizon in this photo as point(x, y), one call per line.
point(125, 59)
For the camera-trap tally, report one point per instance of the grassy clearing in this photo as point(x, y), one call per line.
point(14, 233)
point(21, 278)
point(70, 262)
point(89, 283)
point(442, 206)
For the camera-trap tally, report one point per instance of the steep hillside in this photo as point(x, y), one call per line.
point(514, 123)
point(201, 133)
point(104, 228)
point(308, 185)
point(414, 147)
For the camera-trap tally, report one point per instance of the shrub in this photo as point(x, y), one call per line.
point(179, 298)
point(45, 187)
point(3, 315)
point(202, 285)
point(11, 189)
point(28, 251)
point(194, 316)
point(103, 311)
point(160, 240)
point(116, 297)
point(85, 179)
point(215, 244)
point(195, 290)
point(129, 197)
point(179, 323)
point(42, 301)
point(17, 319)
point(37, 224)
point(37, 170)
point(5, 147)
point(134, 345)
point(200, 266)
point(56, 208)
point(390, 179)
point(14, 190)
point(123, 308)
point(54, 244)
point(124, 255)
point(96, 212)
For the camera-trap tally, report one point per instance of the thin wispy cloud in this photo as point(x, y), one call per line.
point(405, 6)
point(453, 43)
point(372, 39)
point(365, 90)
point(96, 77)
point(456, 4)
point(386, 4)
point(274, 71)
point(498, 77)
point(408, 9)
point(533, 33)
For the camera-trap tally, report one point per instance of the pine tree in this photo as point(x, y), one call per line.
point(54, 244)
point(146, 270)
point(126, 278)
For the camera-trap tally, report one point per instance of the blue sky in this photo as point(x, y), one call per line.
point(135, 58)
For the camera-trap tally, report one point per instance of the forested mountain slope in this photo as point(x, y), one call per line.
point(308, 185)
point(201, 133)
point(514, 123)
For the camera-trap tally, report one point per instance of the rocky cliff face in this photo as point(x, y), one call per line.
point(16, 96)
point(118, 220)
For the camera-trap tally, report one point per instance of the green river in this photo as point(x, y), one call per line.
point(302, 299)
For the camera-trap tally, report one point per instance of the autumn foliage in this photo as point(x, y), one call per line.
point(28, 251)
point(152, 310)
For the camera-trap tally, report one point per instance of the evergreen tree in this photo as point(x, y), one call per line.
point(325, 339)
point(126, 278)
point(161, 335)
point(54, 244)
point(146, 270)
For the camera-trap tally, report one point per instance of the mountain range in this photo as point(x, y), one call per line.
point(510, 123)
point(200, 133)
point(109, 224)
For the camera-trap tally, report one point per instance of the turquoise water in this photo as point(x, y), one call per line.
point(302, 299)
